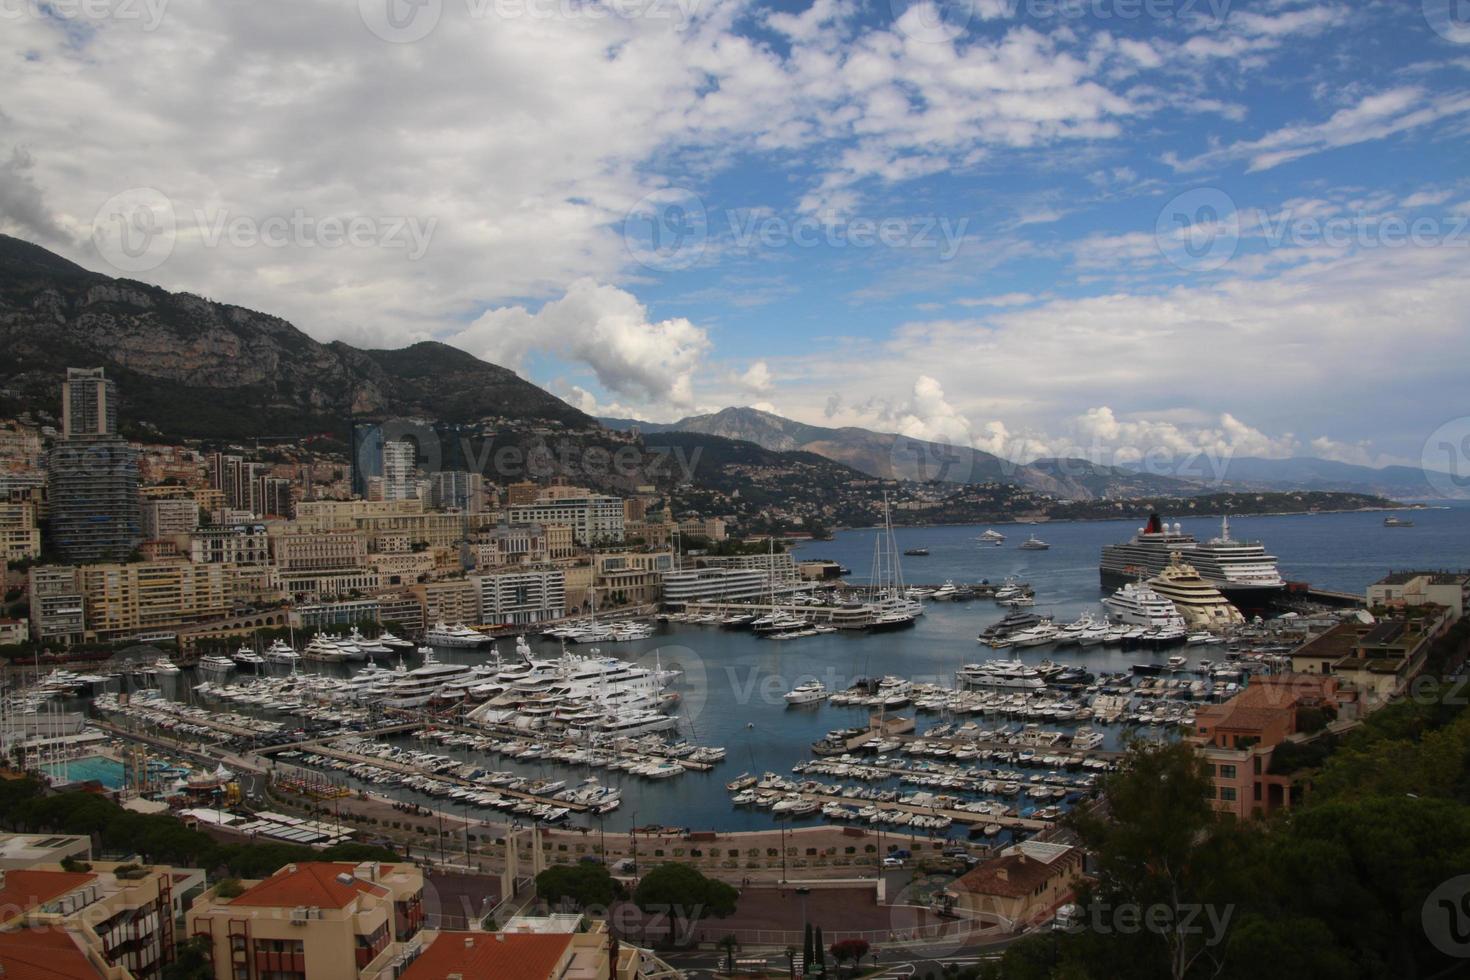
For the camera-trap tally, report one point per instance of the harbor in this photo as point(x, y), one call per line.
point(1001, 735)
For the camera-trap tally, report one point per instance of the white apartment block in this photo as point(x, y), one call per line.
point(399, 459)
point(529, 596)
point(714, 585)
point(169, 516)
point(594, 519)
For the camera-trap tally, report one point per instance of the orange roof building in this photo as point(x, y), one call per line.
point(120, 918)
point(1022, 884)
point(319, 919)
point(493, 956)
point(51, 954)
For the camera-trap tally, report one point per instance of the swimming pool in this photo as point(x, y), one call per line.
point(108, 772)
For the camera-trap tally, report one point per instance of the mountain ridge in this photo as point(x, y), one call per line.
point(887, 455)
point(192, 367)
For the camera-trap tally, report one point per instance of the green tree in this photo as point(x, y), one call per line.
point(684, 894)
point(728, 944)
point(582, 885)
point(1162, 850)
point(191, 961)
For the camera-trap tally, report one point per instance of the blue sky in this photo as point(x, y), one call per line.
point(1097, 226)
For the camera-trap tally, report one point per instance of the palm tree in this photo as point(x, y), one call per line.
point(728, 943)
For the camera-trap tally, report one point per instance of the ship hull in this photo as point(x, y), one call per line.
point(1247, 599)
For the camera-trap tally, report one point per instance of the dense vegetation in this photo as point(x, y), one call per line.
point(156, 838)
point(1343, 887)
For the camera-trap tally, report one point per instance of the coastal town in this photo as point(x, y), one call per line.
point(334, 655)
point(743, 490)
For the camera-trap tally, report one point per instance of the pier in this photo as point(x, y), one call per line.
point(404, 769)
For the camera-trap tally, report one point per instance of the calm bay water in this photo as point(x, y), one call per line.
point(733, 681)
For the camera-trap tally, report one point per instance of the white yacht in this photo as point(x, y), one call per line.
point(1200, 603)
point(216, 663)
point(324, 649)
point(991, 535)
point(945, 592)
point(1000, 674)
point(247, 657)
point(807, 692)
point(395, 643)
point(1039, 635)
point(1033, 543)
point(162, 665)
point(458, 635)
point(1138, 605)
point(417, 687)
point(279, 652)
point(369, 648)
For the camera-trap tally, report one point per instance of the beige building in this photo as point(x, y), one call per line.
point(20, 537)
point(450, 601)
point(518, 544)
point(119, 917)
point(595, 519)
point(1448, 589)
point(110, 602)
point(1023, 884)
point(313, 921)
point(323, 564)
point(556, 947)
point(630, 577)
point(169, 516)
point(58, 613)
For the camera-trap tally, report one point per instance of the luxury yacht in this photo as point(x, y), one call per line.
point(1001, 674)
point(1033, 543)
point(417, 687)
point(1199, 602)
point(1138, 605)
point(280, 653)
point(458, 635)
point(990, 535)
point(247, 657)
point(216, 663)
point(808, 692)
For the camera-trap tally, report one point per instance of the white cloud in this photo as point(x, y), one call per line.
point(604, 328)
point(1373, 117)
point(756, 379)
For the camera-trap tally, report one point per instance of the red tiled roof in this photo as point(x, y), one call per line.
point(1012, 875)
point(26, 889)
point(490, 956)
point(310, 884)
point(43, 954)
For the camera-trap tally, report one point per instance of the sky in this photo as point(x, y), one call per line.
point(1099, 227)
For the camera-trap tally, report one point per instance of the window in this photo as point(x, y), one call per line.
point(1227, 793)
point(1227, 772)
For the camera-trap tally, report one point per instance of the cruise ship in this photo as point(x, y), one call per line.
point(1242, 570)
point(1197, 601)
